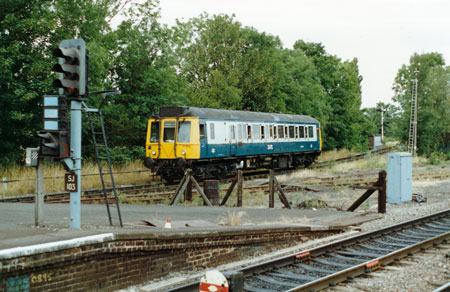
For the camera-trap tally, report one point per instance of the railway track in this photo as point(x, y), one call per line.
point(330, 264)
point(149, 194)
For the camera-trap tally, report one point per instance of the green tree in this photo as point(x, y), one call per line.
point(25, 30)
point(346, 125)
point(144, 70)
point(373, 115)
point(433, 100)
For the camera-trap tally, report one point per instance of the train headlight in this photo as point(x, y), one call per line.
point(154, 152)
point(183, 152)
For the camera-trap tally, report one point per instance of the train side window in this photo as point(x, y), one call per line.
point(169, 131)
point(202, 131)
point(306, 131)
point(249, 132)
point(239, 132)
point(302, 132)
point(311, 132)
point(232, 132)
point(286, 134)
point(271, 131)
point(184, 131)
point(262, 132)
point(256, 129)
point(274, 131)
point(296, 132)
point(281, 132)
point(212, 134)
point(291, 132)
point(154, 132)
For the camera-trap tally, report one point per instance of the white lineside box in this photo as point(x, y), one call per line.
point(399, 177)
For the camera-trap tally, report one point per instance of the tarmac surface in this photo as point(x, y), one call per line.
point(17, 221)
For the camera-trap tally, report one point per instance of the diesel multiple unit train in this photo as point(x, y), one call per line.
point(214, 142)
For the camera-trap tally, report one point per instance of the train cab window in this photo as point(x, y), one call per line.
point(202, 131)
point(281, 132)
point(262, 132)
point(154, 132)
point(311, 132)
point(256, 129)
point(212, 133)
point(249, 132)
point(184, 131)
point(291, 132)
point(169, 131)
point(302, 132)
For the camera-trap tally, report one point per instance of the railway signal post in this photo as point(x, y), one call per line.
point(57, 141)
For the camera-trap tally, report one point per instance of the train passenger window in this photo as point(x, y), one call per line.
point(286, 134)
point(169, 131)
point(202, 131)
point(274, 132)
point(212, 134)
point(256, 131)
point(239, 132)
point(302, 132)
point(154, 132)
point(281, 132)
point(232, 132)
point(311, 132)
point(306, 131)
point(184, 131)
point(296, 132)
point(271, 131)
point(291, 132)
point(249, 132)
point(262, 132)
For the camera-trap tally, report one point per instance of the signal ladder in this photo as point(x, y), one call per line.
point(412, 140)
point(103, 157)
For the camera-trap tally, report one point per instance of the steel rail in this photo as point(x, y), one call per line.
point(350, 272)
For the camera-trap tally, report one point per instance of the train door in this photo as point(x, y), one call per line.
point(233, 140)
point(203, 144)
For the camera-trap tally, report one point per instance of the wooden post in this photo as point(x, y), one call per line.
point(382, 192)
point(379, 186)
point(181, 188)
point(271, 189)
point(281, 194)
point(229, 191)
point(239, 190)
point(188, 192)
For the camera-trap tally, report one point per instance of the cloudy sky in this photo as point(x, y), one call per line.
point(381, 34)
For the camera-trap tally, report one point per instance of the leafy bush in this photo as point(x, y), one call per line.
point(121, 155)
point(437, 158)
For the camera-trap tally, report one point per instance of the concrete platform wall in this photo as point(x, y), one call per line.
point(130, 259)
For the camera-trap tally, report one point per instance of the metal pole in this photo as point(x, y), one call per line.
point(415, 115)
point(40, 193)
point(382, 121)
point(75, 142)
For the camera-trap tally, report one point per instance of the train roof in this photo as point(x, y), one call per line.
point(219, 114)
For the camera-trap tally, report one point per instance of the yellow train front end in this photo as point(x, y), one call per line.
point(171, 144)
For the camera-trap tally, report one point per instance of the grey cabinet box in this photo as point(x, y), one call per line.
point(399, 177)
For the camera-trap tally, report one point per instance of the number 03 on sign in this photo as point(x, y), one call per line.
point(70, 182)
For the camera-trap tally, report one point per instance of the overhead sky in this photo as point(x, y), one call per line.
point(381, 34)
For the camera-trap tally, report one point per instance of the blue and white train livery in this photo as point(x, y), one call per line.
point(215, 142)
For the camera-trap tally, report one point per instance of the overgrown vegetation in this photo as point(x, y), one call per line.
point(208, 61)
